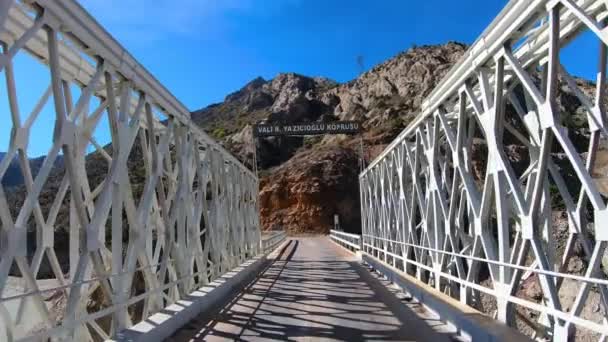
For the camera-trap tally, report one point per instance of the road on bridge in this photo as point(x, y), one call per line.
point(314, 290)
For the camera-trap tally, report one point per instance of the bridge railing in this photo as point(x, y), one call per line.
point(271, 240)
point(346, 240)
point(133, 205)
point(448, 201)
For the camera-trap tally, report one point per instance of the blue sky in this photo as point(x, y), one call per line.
point(202, 50)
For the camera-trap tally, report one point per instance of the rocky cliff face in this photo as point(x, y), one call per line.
point(395, 87)
point(303, 194)
point(305, 181)
point(287, 98)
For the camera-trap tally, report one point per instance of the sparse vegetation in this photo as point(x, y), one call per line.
point(309, 142)
point(219, 133)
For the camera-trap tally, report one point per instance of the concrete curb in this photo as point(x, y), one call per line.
point(470, 322)
point(165, 323)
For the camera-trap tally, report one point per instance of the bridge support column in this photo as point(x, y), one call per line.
point(504, 309)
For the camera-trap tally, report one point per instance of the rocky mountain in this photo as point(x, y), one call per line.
point(306, 171)
point(287, 98)
point(385, 99)
point(14, 176)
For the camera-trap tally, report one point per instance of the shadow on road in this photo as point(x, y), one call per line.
point(299, 298)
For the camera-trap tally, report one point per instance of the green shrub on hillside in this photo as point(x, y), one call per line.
point(219, 133)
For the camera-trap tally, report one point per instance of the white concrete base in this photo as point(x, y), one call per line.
point(470, 322)
point(166, 322)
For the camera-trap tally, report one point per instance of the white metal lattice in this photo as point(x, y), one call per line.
point(426, 211)
point(133, 248)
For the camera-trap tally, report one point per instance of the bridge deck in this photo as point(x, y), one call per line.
point(313, 290)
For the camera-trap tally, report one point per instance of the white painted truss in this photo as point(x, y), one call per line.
point(444, 203)
point(134, 248)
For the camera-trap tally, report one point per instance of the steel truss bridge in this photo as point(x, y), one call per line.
point(163, 223)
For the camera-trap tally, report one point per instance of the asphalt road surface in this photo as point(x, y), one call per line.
point(314, 291)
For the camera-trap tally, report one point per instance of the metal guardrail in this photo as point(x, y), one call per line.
point(134, 248)
point(483, 233)
point(272, 240)
point(346, 240)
